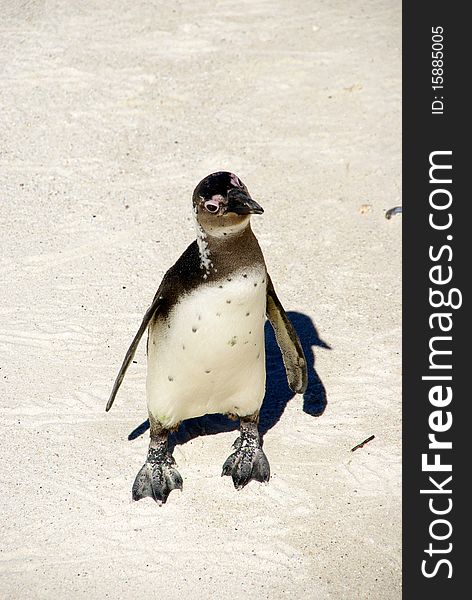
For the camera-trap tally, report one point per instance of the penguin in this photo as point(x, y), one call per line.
point(205, 345)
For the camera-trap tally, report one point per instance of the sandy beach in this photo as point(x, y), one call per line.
point(111, 112)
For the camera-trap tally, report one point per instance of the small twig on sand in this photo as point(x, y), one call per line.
point(396, 210)
point(361, 445)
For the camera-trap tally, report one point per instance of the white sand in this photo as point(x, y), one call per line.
point(111, 112)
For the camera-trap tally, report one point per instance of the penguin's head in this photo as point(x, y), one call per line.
point(222, 204)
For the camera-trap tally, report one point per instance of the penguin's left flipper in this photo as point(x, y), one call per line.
point(152, 310)
point(288, 341)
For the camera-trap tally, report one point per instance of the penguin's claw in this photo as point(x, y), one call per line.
point(156, 480)
point(246, 464)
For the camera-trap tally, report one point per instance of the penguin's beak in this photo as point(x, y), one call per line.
point(241, 204)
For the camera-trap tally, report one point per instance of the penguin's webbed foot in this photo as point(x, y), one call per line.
point(157, 478)
point(248, 462)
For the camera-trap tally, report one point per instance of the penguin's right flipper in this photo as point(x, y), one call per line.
point(152, 310)
point(288, 341)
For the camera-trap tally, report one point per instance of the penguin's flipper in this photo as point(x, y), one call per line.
point(288, 341)
point(134, 344)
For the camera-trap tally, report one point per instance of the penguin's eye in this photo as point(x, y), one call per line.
point(212, 206)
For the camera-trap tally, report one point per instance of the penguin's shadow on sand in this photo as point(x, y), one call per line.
point(277, 395)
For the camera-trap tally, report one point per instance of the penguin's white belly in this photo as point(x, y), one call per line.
point(208, 356)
